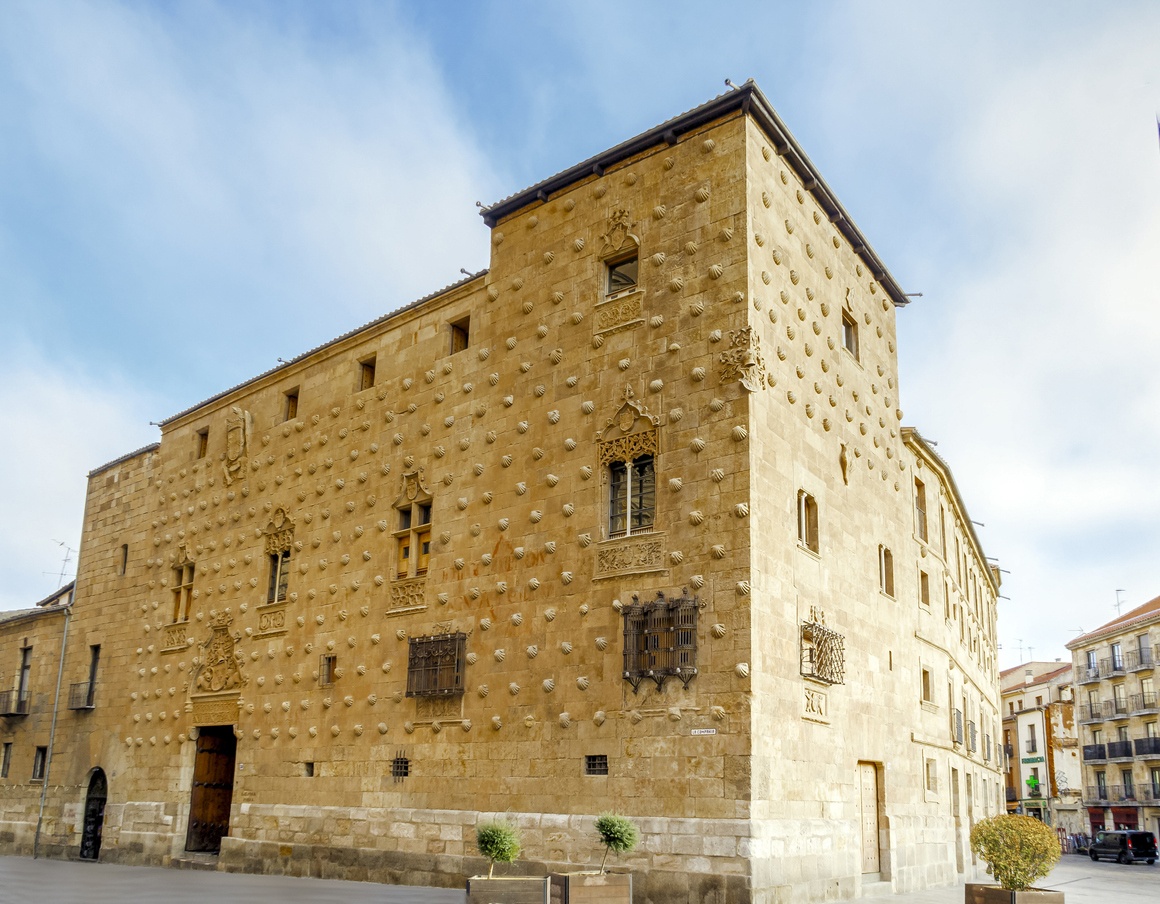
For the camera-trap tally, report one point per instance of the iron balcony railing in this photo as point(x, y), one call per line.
point(1114, 666)
point(1148, 747)
point(1119, 750)
point(1143, 703)
point(14, 703)
point(1094, 752)
point(1121, 792)
point(1089, 674)
point(1136, 660)
point(1094, 712)
point(1120, 708)
point(80, 695)
point(1150, 791)
point(1093, 793)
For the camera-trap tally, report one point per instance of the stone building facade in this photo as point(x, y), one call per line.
point(1119, 719)
point(628, 521)
point(1039, 736)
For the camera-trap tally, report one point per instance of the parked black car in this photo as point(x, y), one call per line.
point(1124, 846)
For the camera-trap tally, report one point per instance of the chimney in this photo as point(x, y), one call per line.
point(1027, 676)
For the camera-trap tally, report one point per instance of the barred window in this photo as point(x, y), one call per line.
point(823, 654)
point(660, 640)
point(632, 497)
point(435, 665)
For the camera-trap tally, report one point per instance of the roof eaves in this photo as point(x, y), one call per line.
point(748, 99)
point(152, 447)
point(285, 364)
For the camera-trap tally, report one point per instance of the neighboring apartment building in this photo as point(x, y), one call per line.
point(627, 521)
point(1039, 735)
point(1118, 716)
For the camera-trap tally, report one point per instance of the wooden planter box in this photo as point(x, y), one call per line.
point(993, 894)
point(591, 888)
point(508, 890)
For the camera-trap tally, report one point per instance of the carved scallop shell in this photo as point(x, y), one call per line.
point(656, 385)
point(701, 194)
point(716, 271)
point(743, 588)
point(500, 655)
point(548, 685)
point(582, 682)
point(598, 717)
point(718, 551)
point(718, 713)
point(741, 509)
point(578, 245)
point(698, 581)
point(533, 651)
point(696, 517)
point(742, 669)
point(718, 630)
point(585, 540)
point(676, 557)
point(565, 720)
point(739, 433)
point(513, 688)
point(602, 643)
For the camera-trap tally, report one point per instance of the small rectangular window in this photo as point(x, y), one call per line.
point(366, 373)
point(123, 560)
point(423, 540)
point(807, 521)
point(596, 764)
point(886, 570)
point(932, 775)
point(400, 768)
point(39, 761)
point(927, 691)
point(203, 442)
point(308, 769)
point(290, 404)
point(279, 576)
point(924, 588)
point(920, 510)
point(403, 561)
point(326, 667)
point(6, 759)
point(622, 275)
point(850, 333)
point(460, 334)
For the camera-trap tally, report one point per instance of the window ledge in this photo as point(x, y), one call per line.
point(929, 707)
point(812, 553)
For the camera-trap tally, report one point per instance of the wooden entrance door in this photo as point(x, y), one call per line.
point(868, 786)
point(213, 789)
point(94, 820)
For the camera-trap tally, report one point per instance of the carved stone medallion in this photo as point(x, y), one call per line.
point(742, 361)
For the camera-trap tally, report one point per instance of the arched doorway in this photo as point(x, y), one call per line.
point(94, 815)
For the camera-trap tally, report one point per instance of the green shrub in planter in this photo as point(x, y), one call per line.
point(1018, 850)
point(617, 833)
point(499, 842)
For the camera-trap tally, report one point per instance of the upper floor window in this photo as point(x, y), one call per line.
point(413, 540)
point(850, 333)
point(460, 334)
point(327, 669)
point(807, 513)
point(924, 588)
point(435, 665)
point(182, 591)
point(622, 275)
point(203, 442)
point(290, 404)
point(6, 759)
point(927, 691)
point(920, 509)
point(279, 576)
point(1117, 657)
point(39, 764)
point(631, 496)
point(123, 559)
point(886, 570)
point(366, 373)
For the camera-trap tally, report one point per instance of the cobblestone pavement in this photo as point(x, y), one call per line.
point(27, 881)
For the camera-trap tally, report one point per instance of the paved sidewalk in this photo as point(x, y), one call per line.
point(27, 881)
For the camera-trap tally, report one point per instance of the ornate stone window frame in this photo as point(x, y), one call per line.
point(279, 534)
point(415, 506)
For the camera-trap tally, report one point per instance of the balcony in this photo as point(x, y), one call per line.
point(1089, 675)
point(80, 696)
point(14, 703)
point(1150, 791)
point(1142, 704)
point(1094, 752)
point(1110, 668)
point(1149, 748)
point(1094, 793)
point(1094, 712)
point(1138, 660)
point(1119, 709)
point(1119, 750)
point(1121, 792)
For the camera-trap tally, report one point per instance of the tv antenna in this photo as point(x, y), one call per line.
point(68, 554)
point(1119, 602)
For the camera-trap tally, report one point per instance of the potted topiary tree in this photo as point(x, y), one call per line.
point(499, 842)
point(1018, 850)
point(619, 835)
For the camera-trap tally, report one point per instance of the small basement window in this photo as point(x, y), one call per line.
point(596, 764)
point(400, 768)
point(460, 334)
point(622, 275)
point(308, 769)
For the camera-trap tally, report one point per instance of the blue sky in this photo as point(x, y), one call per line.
point(192, 190)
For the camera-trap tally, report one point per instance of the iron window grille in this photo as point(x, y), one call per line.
point(435, 665)
point(400, 767)
point(823, 653)
point(596, 764)
point(660, 639)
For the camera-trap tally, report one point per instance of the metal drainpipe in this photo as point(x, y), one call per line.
point(51, 734)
